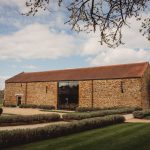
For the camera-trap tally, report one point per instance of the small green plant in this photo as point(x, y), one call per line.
point(141, 114)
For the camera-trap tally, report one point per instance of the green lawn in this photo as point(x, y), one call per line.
point(127, 136)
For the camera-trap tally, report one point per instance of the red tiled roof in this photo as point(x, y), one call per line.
point(134, 70)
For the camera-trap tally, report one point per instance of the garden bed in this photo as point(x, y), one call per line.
point(144, 114)
point(90, 109)
point(100, 113)
point(22, 136)
point(11, 120)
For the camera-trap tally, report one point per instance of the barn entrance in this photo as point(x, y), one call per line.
point(68, 94)
point(19, 99)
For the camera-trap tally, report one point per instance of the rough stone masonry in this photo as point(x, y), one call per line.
point(104, 86)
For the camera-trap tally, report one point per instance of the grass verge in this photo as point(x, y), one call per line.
point(127, 136)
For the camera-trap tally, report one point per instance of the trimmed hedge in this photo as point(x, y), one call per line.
point(68, 106)
point(28, 119)
point(141, 114)
point(22, 136)
point(37, 106)
point(88, 109)
point(84, 115)
point(10, 105)
point(1, 111)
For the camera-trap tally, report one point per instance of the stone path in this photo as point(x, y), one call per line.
point(129, 118)
point(135, 120)
point(26, 111)
point(30, 111)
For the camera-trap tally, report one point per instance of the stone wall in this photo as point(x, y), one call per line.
point(146, 89)
point(85, 93)
point(39, 93)
point(106, 93)
point(110, 93)
point(12, 90)
point(42, 93)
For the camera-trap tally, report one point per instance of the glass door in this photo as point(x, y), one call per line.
point(68, 93)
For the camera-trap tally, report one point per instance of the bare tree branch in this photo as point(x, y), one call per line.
point(104, 16)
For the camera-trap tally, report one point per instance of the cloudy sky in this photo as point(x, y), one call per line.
point(44, 42)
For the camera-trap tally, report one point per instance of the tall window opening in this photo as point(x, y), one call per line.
point(68, 94)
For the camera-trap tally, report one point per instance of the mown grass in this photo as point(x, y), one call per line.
point(127, 136)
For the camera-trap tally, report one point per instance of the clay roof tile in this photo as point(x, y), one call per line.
point(134, 70)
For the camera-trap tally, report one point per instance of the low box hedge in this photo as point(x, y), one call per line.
point(28, 119)
point(10, 105)
point(22, 136)
point(84, 115)
point(89, 109)
point(50, 107)
point(1, 111)
point(68, 106)
point(141, 114)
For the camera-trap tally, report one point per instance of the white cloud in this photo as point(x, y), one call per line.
point(135, 49)
point(36, 41)
point(119, 56)
point(2, 81)
point(19, 3)
point(22, 8)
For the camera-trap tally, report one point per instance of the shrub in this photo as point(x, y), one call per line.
point(27, 106)
point(100, 113)
point(1, 111)
point(68, 106)
point(46, 107)
point(32, 119)
point(22, 136)
point(141, 114)
point(88, 109)
point(10, 105)
point(37, 106)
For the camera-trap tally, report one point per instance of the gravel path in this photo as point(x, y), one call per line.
point(131, 119)
point(30, 111)
point(134, 120)
point(26, 111)
point(30, 126)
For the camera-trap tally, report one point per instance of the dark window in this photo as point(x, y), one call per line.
point(19, 100)
point(46, 89)
point(68, 92)
point(121, 86)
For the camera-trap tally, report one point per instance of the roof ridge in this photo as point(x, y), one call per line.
point(99, 72)
point(146, 62)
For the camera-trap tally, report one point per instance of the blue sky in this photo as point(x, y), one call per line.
point(44, 42)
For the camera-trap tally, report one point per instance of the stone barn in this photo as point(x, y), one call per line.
point(104, 86)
